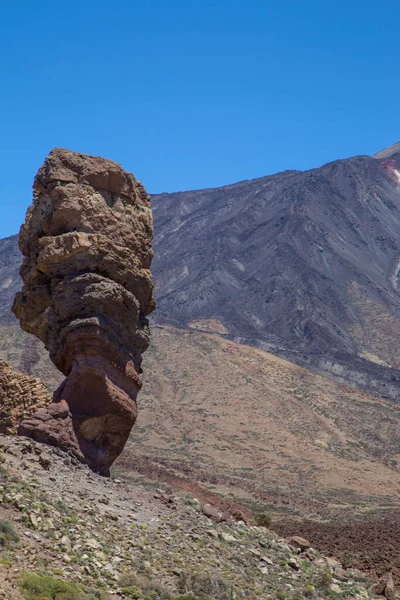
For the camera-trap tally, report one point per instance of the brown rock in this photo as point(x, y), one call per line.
point(390, 591)
point(20, 397)
point(384, 587)
point(299, 542)
point(87, 243)
point(211, 512)
point(238, 515)
point(378, 588)
point(227, 519)
point(341, 574)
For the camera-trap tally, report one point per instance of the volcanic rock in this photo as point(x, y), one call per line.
point(299, 542)
point(211, 512)
point(20, 397)
point(87, 246)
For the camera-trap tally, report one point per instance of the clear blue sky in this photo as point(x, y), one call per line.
point(189, 94)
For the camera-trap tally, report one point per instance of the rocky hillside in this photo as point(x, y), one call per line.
point(246, 430)
point(304, 264)
point(71, 535)
point(261, 430)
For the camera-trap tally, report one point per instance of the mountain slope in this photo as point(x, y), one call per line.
point(278, 261)
point(262, 429)
point(10, 283)
point(389, 151)
point(69, 534)
point(252, 426)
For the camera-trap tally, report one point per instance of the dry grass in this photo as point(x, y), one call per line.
point(253, 427)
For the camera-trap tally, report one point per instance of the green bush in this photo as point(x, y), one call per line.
point(199, 584)
point(139, 586)
point(8, 536)
point(37, 587)
point(263, 520)
point(132, 592)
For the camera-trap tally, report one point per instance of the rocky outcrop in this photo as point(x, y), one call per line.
point(87, 246)
point(20, 397)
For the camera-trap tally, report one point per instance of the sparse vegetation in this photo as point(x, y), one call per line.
point(323, 579)
point(263, 520)
point(139, 586)
point(204, 585)
point(40, 587)
point(8, 535)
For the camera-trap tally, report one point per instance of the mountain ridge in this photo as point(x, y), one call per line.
point(276, 261)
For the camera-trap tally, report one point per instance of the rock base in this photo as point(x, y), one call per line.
point(93, 410)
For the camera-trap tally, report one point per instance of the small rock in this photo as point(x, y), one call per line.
point(341, 574)
point(33, 519)
point(44, 462)
point(227, 519)
point(320, 562)
point(292, 562)
point(299, 542)
point(336, 588)
point(311, 554)
point(93, 544)
point(389, 589)
point(227, 537)
point(213, 533)
point(167, 499)
point(66, 542)
point(378, 588)
point(112, 516)
point(332, 562)
point(211, 512)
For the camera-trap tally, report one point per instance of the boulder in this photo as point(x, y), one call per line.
point(87, 246)
point(298, 542)
point(20, 396)
point(211, 512)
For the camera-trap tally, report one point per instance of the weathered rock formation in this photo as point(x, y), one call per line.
point(20, 397)
point(87, 243)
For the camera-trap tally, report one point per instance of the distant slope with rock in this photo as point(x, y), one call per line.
point(10, 282)
point(304, 264)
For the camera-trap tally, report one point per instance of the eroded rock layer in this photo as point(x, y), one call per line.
point(20, 397)
point(87, 246)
